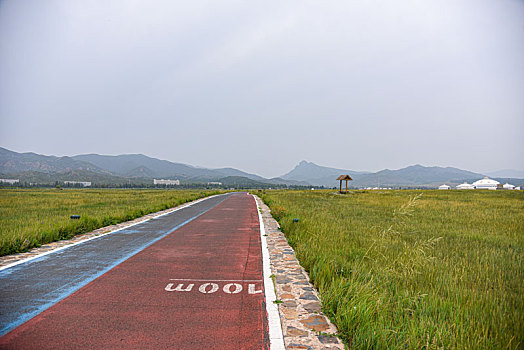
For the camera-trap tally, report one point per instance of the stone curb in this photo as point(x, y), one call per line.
point(303, 324)
point(13, 258)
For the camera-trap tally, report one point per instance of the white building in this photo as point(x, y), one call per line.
point(444, 187)
point(166, 182)
point(486, 184)
point(508, 186)
point(9, 181)
point(83, 183)
point(465, 186)
point(214, 183)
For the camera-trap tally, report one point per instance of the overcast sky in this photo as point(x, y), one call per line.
point(262, 85)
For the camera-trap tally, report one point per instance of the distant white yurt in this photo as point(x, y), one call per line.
point(444, 187)
point(486, 184)
point(465, 186)
point(508, 186)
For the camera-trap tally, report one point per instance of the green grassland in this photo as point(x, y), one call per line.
point(31, 217)
point(413, 269)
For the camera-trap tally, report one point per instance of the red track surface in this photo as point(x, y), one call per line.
point(136, 304)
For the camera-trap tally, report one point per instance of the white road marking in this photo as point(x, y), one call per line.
point(227, 288)
point(252, 289)
point(210, 280)
point(202, 288)
point(276, 339)
point(179, 287)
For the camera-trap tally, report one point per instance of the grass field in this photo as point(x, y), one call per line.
point(31, 217)
point(413, 269)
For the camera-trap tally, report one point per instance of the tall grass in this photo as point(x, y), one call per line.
point(32, 217)
point(413, 269)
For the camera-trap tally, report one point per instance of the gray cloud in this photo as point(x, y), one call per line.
point(260, 86)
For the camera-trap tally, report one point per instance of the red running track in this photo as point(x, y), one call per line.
point(198, 288)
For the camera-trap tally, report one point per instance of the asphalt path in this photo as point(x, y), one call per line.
point(189, 279)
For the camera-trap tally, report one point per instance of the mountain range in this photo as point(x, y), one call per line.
point(141, 169)
point(135, 168)
point(412, 176)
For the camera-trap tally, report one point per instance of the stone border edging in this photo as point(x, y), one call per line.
point(12, 259)
point(304, 325)
point(276, 338)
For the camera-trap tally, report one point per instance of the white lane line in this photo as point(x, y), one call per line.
point(102, 235)
point(210, 280)
point(276, 339)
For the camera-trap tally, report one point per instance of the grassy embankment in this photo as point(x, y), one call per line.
point(30, 218)
point(396, 269)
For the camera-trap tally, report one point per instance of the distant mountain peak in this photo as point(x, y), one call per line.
point(316, 174)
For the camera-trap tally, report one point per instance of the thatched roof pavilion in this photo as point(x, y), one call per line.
point(344, 178)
